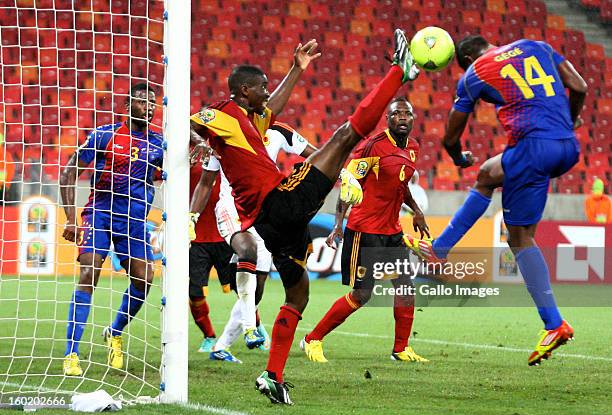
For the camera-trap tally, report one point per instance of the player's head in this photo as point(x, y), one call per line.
point(471, 48)
point(248, 85)
point(141, 104)
point(400, 117)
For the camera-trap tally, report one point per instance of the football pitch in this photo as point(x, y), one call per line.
point(478, 358)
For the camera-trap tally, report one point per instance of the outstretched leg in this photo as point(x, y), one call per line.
point(490, 177)
point(332, 156)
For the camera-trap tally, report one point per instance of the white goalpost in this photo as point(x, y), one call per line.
point(66, 69)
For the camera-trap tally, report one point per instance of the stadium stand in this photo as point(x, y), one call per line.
point(354, 35)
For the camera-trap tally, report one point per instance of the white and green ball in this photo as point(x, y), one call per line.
point(432, 48)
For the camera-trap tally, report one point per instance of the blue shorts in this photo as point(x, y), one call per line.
point(528, 167)
point(130, 237)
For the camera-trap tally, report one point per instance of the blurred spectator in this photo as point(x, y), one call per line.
point(597, 205)
point(7, 169)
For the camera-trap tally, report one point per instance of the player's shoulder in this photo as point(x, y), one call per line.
point(105, 131)
point(373, 143)
point(217, 113)
point(107, 128)
point(155, 135)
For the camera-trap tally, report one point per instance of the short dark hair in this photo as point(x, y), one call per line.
point(243, 75)
point(467, 46)
point(401, 98)
point(141, 86)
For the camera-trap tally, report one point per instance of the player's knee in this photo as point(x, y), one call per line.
point(346, 135)
point(246, 249)
point(86, 275)
point(361, 296)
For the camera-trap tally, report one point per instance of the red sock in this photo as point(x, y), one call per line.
point(199, 311)
point(403, 312)
point(373, 106)
point(282, 337)
point(342, 308)
point(257, 318)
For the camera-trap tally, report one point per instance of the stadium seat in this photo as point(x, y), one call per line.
point(555, 22)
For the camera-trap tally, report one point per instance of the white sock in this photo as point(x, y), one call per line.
point(232, 330)
point(246, 284)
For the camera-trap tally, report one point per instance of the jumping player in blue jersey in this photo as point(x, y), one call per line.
point(526, 80)
point(127, 157)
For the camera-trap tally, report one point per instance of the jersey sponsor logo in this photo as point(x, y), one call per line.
point(507, 55)
point(362, 168)
point(207, 115)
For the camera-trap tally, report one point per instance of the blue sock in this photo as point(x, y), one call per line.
point(77, 317)
point(473, 208)
point(131, 302)
point(537, 280)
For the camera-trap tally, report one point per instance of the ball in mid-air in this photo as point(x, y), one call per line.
point(432, 48)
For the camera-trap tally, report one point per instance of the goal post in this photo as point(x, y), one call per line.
point(177, 51)
point(66, 70)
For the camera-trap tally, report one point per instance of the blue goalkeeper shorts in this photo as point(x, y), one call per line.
point(130, 237)
point(528, 167)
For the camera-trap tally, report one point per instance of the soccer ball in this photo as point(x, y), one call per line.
point(432, 48)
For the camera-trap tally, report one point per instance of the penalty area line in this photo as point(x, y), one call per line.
point(468, 345)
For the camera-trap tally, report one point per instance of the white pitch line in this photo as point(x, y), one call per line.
point(468, 345)
point(211, 409)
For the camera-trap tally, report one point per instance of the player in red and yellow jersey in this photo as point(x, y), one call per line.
point(281, 207)
point(207, 249)
point(384, 164)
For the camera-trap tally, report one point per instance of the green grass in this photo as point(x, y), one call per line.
point(478, 358)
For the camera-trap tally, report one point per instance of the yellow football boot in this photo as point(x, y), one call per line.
point(408, 355)
point(313, 350)
point(72, 366)
point(115, 354)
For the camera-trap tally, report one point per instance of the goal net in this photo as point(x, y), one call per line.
point(67, 69)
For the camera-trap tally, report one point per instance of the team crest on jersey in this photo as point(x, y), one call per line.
point(362, 168)
point(207, 115)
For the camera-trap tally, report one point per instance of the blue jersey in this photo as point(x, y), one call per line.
point(125, 164)
point(523, 82)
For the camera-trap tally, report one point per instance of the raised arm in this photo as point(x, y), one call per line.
point(303, 55)
point(457, 121)
point(418, 220)
point(577, 89)
point(68, 180)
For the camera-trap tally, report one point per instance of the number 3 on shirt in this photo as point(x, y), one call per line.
point(531, 65)
point(135, 151)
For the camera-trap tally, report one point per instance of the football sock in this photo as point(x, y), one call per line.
point(537, 280)
point(201, 315)
point(473, 208)
point(282, 337)
point(371, 108)
point(403, 313)
point(131, 303)
point(339, 311)
point(233, 328)
point(246, 284)
point(78, 311)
